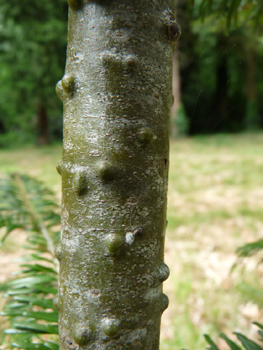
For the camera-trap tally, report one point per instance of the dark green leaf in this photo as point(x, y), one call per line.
point(248, 343)
point(258, 324)
point(260, 333)
point(45, 303)
point(31, 280)
point(47, 289)
point(38, 257)
point(37, 328)
point(250, 248)
point(210, 342)
point(39, 268)
point(47, 316)
point(232, 345)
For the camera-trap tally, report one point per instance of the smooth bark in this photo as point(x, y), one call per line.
point(117, 98)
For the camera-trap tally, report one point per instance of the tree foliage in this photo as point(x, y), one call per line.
point(235, 11)
point(245, 342)
point(32, 58)
point(220, 60)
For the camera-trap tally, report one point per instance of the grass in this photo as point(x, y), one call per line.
point(39, 162)
point(215, 205)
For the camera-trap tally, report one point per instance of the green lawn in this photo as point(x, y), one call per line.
point(215, 205)
point(39, 162)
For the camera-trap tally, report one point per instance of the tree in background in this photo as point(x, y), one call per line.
point(32, 56)
point(179, 120)
point(33, 41)
point(219, 72)
point(252, 116)
point(247, 18)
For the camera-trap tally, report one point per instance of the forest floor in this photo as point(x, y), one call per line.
point(215, 205)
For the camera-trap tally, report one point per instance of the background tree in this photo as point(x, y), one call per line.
point(247, 15)
point(32, 56)
point(179, 120)
point(216, 70)
point(33, 40)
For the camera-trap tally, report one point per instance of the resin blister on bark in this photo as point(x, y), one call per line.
point(107, 171)
point(145, 136)
point(173, 28)
point(114, 243)
point(69, 84)
point(165, 302)
point(80, 182)
point(82, 334)
point(111, 327)
point(59, 90)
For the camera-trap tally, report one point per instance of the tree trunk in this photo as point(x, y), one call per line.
point(117, 99)
point(176, 93)
point(219, 108)
point(42, 125)
point(252, 119)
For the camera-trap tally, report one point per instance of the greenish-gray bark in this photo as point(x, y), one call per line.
point(117, 97)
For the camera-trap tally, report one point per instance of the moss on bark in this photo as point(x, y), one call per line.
point(117, 97)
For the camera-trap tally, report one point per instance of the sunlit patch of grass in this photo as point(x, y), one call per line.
point(35, 161)
point(182, 330)
point(194, 219)
point(215, 205)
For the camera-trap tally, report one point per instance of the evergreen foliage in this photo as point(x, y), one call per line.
point(246, 250)
point(26, 204)
point(247, 344)
point(233, 10)
point(220, 80)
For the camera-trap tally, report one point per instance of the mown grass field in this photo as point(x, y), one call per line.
point(215, 205)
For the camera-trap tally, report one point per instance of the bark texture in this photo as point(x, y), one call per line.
point(117, 98)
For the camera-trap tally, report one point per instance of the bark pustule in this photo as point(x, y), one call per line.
point(117, 97)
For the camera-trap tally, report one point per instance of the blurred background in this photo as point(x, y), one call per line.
point(216, 163)
point(217, 76)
